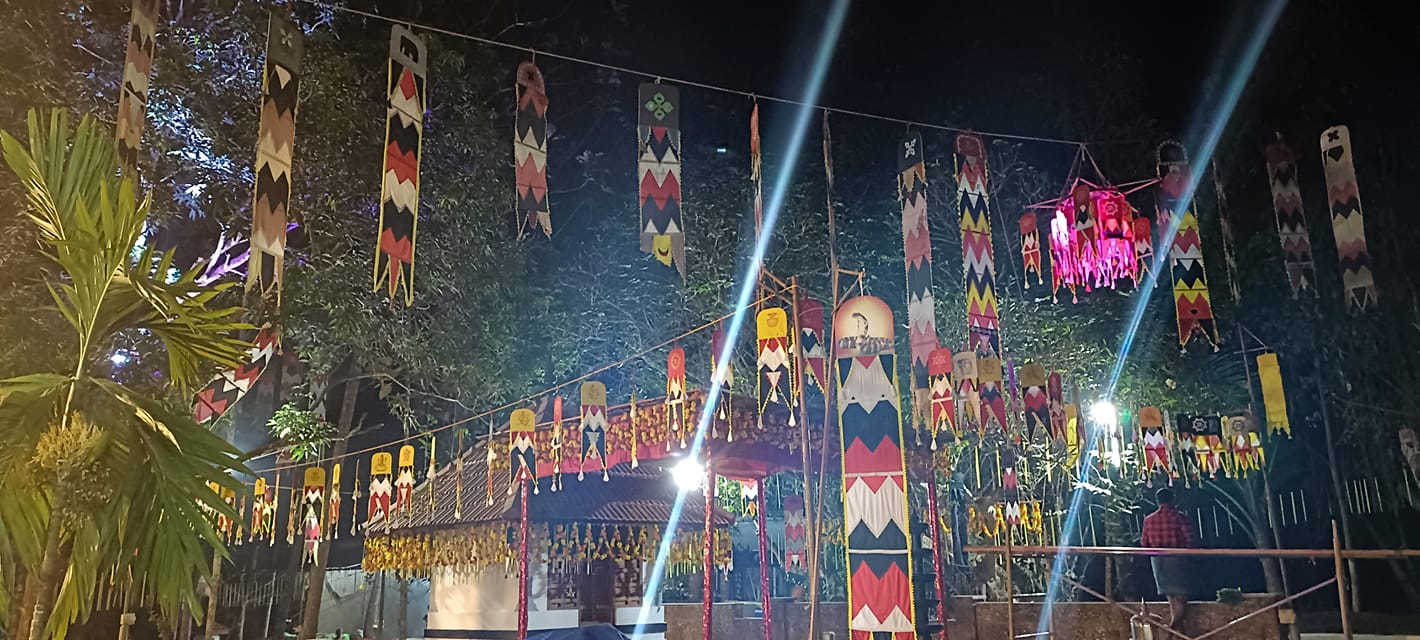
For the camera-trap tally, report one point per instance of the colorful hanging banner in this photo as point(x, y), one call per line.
point(262, 515)
point(1037, 402)
point(1154, 439)
point(1274, 396)
point(404, 482)
point(332, 514)
point(775, 380)
point(1010, 486)
point(1194, 305)
point(1244, 445)
point(404, 144)
point(1073, 434)
point(756, 175)
point(312, 506)
point(675, 396)
point(215, 399)
point(812, 334)
point(1092, 240)
point(1348, 222)
point(917, 251)
point(522, 455)
point(993, 400)
point(594, 424)
point(275, 141)
point(973, 205)
point(1055, 394)
point(726, 379)
point(1143, 248)
point(944, 411)
point(964, 375)
point(1291, 220)
point(796, 555)
point(1030, 249)
point(658, 139)
point(554, 447)
point(880, 601)
point(133, 96)
point(530, 150)
point(1205, 442)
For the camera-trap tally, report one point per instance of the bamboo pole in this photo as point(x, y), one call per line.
point(707, 610)
point(1340, 582)
point(523, 590)
point(765, 596)
point(1047, 551)
point(1010, 588)
point(1331, 465)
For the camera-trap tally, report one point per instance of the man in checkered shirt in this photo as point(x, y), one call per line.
point(1168, 528)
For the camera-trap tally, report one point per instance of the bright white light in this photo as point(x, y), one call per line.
point(119, 359)
point(689, 475)
point(1104, 414)
point(721, 150)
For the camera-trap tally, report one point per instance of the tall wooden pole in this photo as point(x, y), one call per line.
point(1340, 582)
point(814, 547)
point(1332, 466)
point(523, 561)
point(764, 564)
point(708, 585)
point(935, 524)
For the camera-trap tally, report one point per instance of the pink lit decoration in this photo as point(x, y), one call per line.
point(1092, 240)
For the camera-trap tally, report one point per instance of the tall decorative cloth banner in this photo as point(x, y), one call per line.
point(1155, 441)
point(1055, 394)
point(332, 517)
point(1143, 248)
point(1010, 486)
point(522, 455)
point(1244, 444)
point(756, 168)
point(964, 375)
point(1037, 402)
point(993, 400)
point(796, 553)
point(594, 424)
point(917, 253)
point(404, 481)
point(1030, 249)
point(1193, 304)
point(275, 142)
point(658, 165)
point(1073, 435)
point(555, 444)
point(1347, 220)
point(261, 514)
point(1200, 443)
point(215, 399)
point(1092, 240)
point(812, 334)
point(944, 411)
point(312, 508)
point(775, 380)
point(137, 71)
point(719, 345)
point(880, 599)
point(1291, 221)
point(675, 396)
point(404, 144)
point(530, 150)
point(1274, 396)
point(973, 203)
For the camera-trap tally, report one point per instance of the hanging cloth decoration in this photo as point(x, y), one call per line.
point(594, 424)
point(275, 141)
point(726, 379)
point(1010, 486)
point(1155, 441)
point(1347, 220)
point(137, 71)
point(1205, 443)
point(1092, 239)
point(775, 381)
point(355, 502)
point(1410, 450)
point(1072, 434)
point(1030, 249)
point(490, 460)
point(554, 447)
point(756, 173)
point(968, 393)
point(530, 150)
point(215, 399)
point(1194, 305)
point(312, 503)
point(944, 411)
point(522, 455)
point(973, 203)
point(293, 513)
point(404, 144)
point(221, 523)
point(796, 553)
point(432, 470)
point(1274, 396)
point(880, 600)
point(273, 506)
point(811, 341)
point(404, 482)
point(675, 396)
point(1037, 402)
point(1143, 249)
point(917, 251)
point(658, 136)
point(1291, 220)
point(332, 525)
point(993, 401)
point(632, 435)
point(260, 522)
point(1055, 394)
point(1245, 445)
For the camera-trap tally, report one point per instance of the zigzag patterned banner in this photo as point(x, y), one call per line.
point(137, 70)
point(530, 150)
point(993, 401)
point(1055, 396)
point(1030, 249)
point(812, 332)
point(404, 140)
point(917, 251)
point(1348, 222)
point(880, 600)
point(1037, 402)
point(658, 138)
point(1193, 304)
point(775, 384)
point(275, 141)
point(944, 412)
point(594, 425)
point(1291, 221)
point(225, 390)
point(973, 203)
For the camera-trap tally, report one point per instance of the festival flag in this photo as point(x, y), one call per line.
point(775, 381)
point(813, 333)
point(133, 97)
point(880, 600)
point(273, 506)
point(1010, 486)
point(1155, 441)
point(1190, 279)
point(293, 513)
point(1055, 394)
point(489, 461)
point(1204, 443)
point(1291, 220)
point(1245, 445)
point(917, 250)
point(355, 501)
point(332, 527)
point(1347, 220)
point(1143, 248)
point(522, 455)
point(658, 139)
point(275, 141)
point(594, 424)
point(530, 150)
point(944, 411)
point(404, 482)
point(215, 399)
point(795, 539)
point(973, 205)
point(1092, 241)
point(726, 380)
point(993, 401)
point(1073, 434)
point(1037, 402)
point(554, 447)
point(260, 514)
point(404, 143)
point(964, 376)
point(312, 502)
point(1274, 396)
point(1030, 249)
point(675, 396)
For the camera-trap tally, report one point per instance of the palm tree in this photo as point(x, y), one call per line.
point(97, 478)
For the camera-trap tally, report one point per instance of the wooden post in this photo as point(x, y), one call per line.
point(1010, 585)
point(1340, 582)
point(523, 561)
point(935, 524)
point(708, 585)
point(1332, 466)
point(814, 523)
point(811, 543)
point(765, 596)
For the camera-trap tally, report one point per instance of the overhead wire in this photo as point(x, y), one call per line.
point(682, 81)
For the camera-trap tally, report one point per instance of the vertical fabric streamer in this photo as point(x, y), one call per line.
point(707, 585)
point(404, 481)
point(993, 401)
point(935, 522)
point(775, 381)
point(275, 141)
point(675, 396)
point(332, 526)
point(1194, 305)
point(944, 418)
point(1155, 441)
point(764, 591)
point(812, 333)
point(1291, 220)
point(522, 456)
point(968, 393)
point(594, 424)
point(756, 172)
point(1030, 249)
point(1274, 396)
point(1347, 220)
point(795, 538)
point(530, 150)
point(725, 403)
point(1010, 488)
point(230, 386)
point(917, 253)
point(556, 443)
point(658, 164)
point(1036, 400)
point(523, 577)
point(133, 98)
point(880, 600)
point(404, 145)
point(312, 502)
point(381, 472)
point(973, 204)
